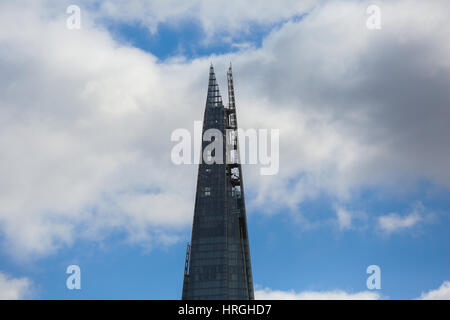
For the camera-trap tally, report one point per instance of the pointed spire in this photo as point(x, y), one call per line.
point(213, 99)
point(231, 100)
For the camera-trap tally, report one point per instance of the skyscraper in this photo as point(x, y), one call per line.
point(218, 259)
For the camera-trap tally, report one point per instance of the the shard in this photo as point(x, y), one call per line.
point(218, 258)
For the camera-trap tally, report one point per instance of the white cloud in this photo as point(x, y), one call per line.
point(350, 219)
point(344, 219)
point(269, 294)
point(86, 121)
point(221, 16)
point(13, 288)
point(329, 76)
point(393, 222)
point(85, 137)
point(442, 293)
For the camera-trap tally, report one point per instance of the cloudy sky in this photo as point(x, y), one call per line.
point(86, 117)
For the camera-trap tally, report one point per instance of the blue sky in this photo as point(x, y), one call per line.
point(282, 258)
point(363, 178)
point(185, 39)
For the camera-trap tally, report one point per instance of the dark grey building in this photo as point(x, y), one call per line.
point(218, 258)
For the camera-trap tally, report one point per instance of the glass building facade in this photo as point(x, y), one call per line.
point(218, 262)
